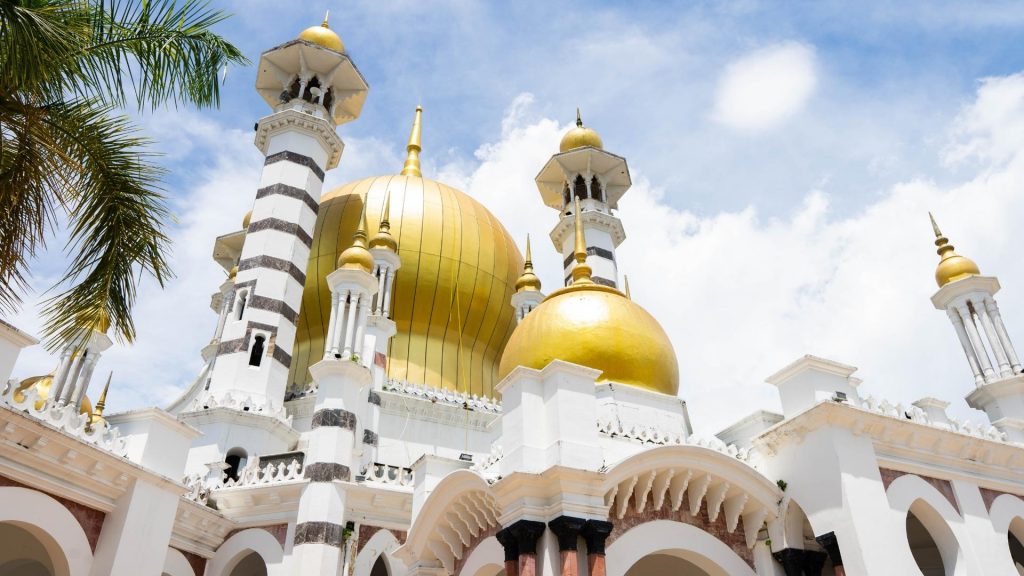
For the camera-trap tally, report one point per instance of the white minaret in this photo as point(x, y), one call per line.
point(969, 300)
point(528, 295)
point(335, 441)
point(583, 169)
point(312, 86)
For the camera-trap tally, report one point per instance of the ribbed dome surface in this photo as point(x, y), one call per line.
point(451, 301)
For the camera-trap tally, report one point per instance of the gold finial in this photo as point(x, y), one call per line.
point(412, 150)
point(952, 266)
point(625, 286)
point(102, 402)
point(357, 256)
point(528, 280)
point(327, 16)
point(582, 271)
point(383, 238)
point(579, 119)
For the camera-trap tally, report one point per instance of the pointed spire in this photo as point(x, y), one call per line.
point(579, 119)
point(383, 238)
point(327, 16)
point(952, 266)
point(625, 286)
point(412, 150)
point(941, 241)
point(357, 256)
point(582, 271)
point(102, 402)
point(528, 280)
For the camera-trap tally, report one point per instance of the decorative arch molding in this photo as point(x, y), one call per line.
point(911, 493)
point(382, 544)
point(678, 475)
point(175, 564)
point(487, 559)
point(675, 539)
point(52, 524)
point(459, 509)
point(235, 547)
point(1004, 511)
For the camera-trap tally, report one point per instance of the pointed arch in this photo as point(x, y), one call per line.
point(237, 547)
point(381, 545)
point(910, 494)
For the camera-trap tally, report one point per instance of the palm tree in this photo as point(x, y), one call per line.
point(67, 151)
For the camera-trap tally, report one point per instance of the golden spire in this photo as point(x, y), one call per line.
point(327, 16)
point(625, 286)
point(356, 256)
point(582, 271)
point(102, 402)
point(528, 280)
point(412, 150)
point(952, 266)
point(383, 238)
point(579, 119)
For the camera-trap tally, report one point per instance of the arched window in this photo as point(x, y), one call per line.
point(251, 564)
point(924, 548)
point(243, 296)
point(235, 459)
point(596, 192)
point(580, 187)
point(256, 354)
point(566, 195)
point(379, 567)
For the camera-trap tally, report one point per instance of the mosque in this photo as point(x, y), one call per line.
point(390, 391)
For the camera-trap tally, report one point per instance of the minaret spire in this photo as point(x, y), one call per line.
point(581, 272)
point(327, 16)
point(102, 402)
point(625, 286)
point(941, 241)
point(579, 119)
point(412, 150)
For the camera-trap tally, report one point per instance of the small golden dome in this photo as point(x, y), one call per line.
point(580, 137)
point(322, 35)
point(246, 220)
point(356, 256)
point(598, 327)
point(383, 238)
point(42, 385)
point(528, 280)
point(233, 272)
point(952, 266)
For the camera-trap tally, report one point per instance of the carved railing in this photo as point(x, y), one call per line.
point(653, 435)
point(387, 474)
point(441, 395)
point(916, 414)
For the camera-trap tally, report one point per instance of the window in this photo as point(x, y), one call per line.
point(256, 353)
point(595, 189)
point(235, 459)
point(580, 188)
point(566, 195)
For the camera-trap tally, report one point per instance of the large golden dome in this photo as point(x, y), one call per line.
point(451, 301)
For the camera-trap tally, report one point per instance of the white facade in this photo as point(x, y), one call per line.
point(566, 474)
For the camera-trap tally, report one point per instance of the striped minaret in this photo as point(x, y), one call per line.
point(344, 382)
point(582, 170)
point(312, 86)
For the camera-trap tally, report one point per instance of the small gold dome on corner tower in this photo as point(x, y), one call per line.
point(383, 238)
point(580, 137)
point(356, 256)
point(593, 325)
point(952, 266)
point(528, 280)
point(322, 35)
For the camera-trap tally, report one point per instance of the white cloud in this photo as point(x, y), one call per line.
point(766, 87)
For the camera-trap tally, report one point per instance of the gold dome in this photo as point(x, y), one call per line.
point(322, 35)
point(528, 280)
point(580, 137)
point(451, 295)
point(42, 384)
point(952, 266)
point(356, 256)
point(383, 238)
point(598, 327)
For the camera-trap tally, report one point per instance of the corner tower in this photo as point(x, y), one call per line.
point(582, 170)
point(969, 300)
point(312, 86)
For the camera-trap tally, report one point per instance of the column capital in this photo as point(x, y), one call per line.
point(567, 529)
point(509, 544)
point(831, 545)
point(792, 560)
point(526, 534)
point(595, 532)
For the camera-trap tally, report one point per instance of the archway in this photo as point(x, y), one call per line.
point(485, 560)
point(798, 534)
point(247, 553)
point(251, 564)
point(39, 535)
point(1007, 515)
point(380, 568)
point(1015, 539)
point(931, 541)
point(175, 564)
point(662, 564)
point(701, 550)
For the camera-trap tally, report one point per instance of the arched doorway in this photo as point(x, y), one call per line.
point(251, 564)
point(22, 554)
point(663, 565)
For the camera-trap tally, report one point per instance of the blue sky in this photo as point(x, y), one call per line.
point(783, 157)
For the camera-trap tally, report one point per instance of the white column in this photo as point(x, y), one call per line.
point(958, 325)
point(69, 385)
point(62, 374)
point(388, 286)
point(358, 347)
point(1004, 337)
point(993, 339)
point(225, 300)
point(351, 326)
point(976, 342)
point(332, 326)
point(83, 383)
